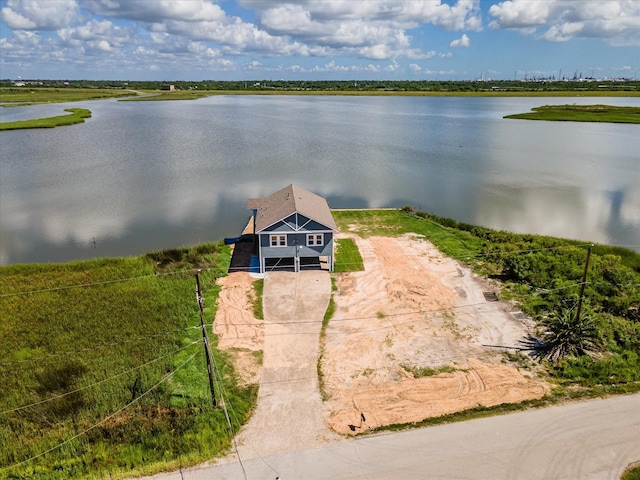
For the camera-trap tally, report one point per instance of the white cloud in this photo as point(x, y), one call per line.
point(392, 67)
point(39, 14)
point(376, 28)
point(100, 33)
point(151, 11)
point(463, 41)
point(463, 14)
point(205, 35)
point(561, 20)
point(375, 52)
point(415, 68)
point(563, 32)
point(28, 39)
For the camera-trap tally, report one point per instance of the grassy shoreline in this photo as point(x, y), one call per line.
point(15, 97)
point(181, 95)
point(582, 113)
point(76, 115)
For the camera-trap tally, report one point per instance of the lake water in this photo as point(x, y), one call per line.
point(143, 176)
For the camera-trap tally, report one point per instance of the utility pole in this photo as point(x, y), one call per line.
point(205, 339)
point(584, 282)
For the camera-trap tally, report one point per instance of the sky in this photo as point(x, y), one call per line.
point(198, 40)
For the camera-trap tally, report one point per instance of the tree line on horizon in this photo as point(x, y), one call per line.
point(342, 85)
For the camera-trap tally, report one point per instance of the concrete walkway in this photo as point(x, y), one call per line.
point(289, 414)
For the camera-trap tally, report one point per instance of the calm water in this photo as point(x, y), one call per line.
point(150, 175)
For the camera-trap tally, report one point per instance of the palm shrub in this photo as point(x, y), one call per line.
point(563, 335)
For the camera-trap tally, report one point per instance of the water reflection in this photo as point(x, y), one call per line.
point(144, 176)
point(548, 210)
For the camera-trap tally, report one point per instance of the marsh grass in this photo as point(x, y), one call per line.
point(32, 96)
point(453, 242)
point(175, 95)
point(82, 340)
point(77, 115)
point(582, 113)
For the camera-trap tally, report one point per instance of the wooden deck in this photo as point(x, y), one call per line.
point(243, 250)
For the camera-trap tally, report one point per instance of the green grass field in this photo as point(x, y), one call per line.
point(102, 367)
point(36, 95)
point(582, 113)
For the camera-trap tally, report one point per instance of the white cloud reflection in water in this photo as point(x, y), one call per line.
point(139, 177)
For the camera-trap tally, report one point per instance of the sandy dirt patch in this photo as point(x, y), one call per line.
point(414, 308)
point(239, 331)
point(410, 309)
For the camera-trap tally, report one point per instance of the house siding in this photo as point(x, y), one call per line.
point(282, 214)
point(296, 241)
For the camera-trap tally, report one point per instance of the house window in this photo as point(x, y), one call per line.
point(315, 239)
point(278, 240)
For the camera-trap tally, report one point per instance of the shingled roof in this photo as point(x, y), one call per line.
point(289, 200)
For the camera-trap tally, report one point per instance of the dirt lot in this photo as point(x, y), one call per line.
point(411, 308)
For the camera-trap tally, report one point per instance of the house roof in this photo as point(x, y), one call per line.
point(289, 200)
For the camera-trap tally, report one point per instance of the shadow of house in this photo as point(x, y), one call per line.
point(243, 258)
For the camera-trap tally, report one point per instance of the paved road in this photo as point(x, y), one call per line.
point(592, 440)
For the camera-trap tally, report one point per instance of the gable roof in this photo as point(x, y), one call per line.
point(289, 200)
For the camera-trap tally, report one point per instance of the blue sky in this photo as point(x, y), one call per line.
point(318, 39)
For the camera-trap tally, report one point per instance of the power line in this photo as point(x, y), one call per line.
point(296, 322)
point(205, 339)
point(217, 375)
point(112, 344)
point(412, 312)
point(86, 387)
point(98, 347)
point(191, 271)
point(104, 282)
point(164, 379)
point(228, 404)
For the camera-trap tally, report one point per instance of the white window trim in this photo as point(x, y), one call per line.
point(278, 240)
point(315, 240)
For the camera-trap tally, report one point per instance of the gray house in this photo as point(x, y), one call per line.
point(293, 229)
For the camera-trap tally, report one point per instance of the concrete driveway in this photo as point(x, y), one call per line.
point(289, 414)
